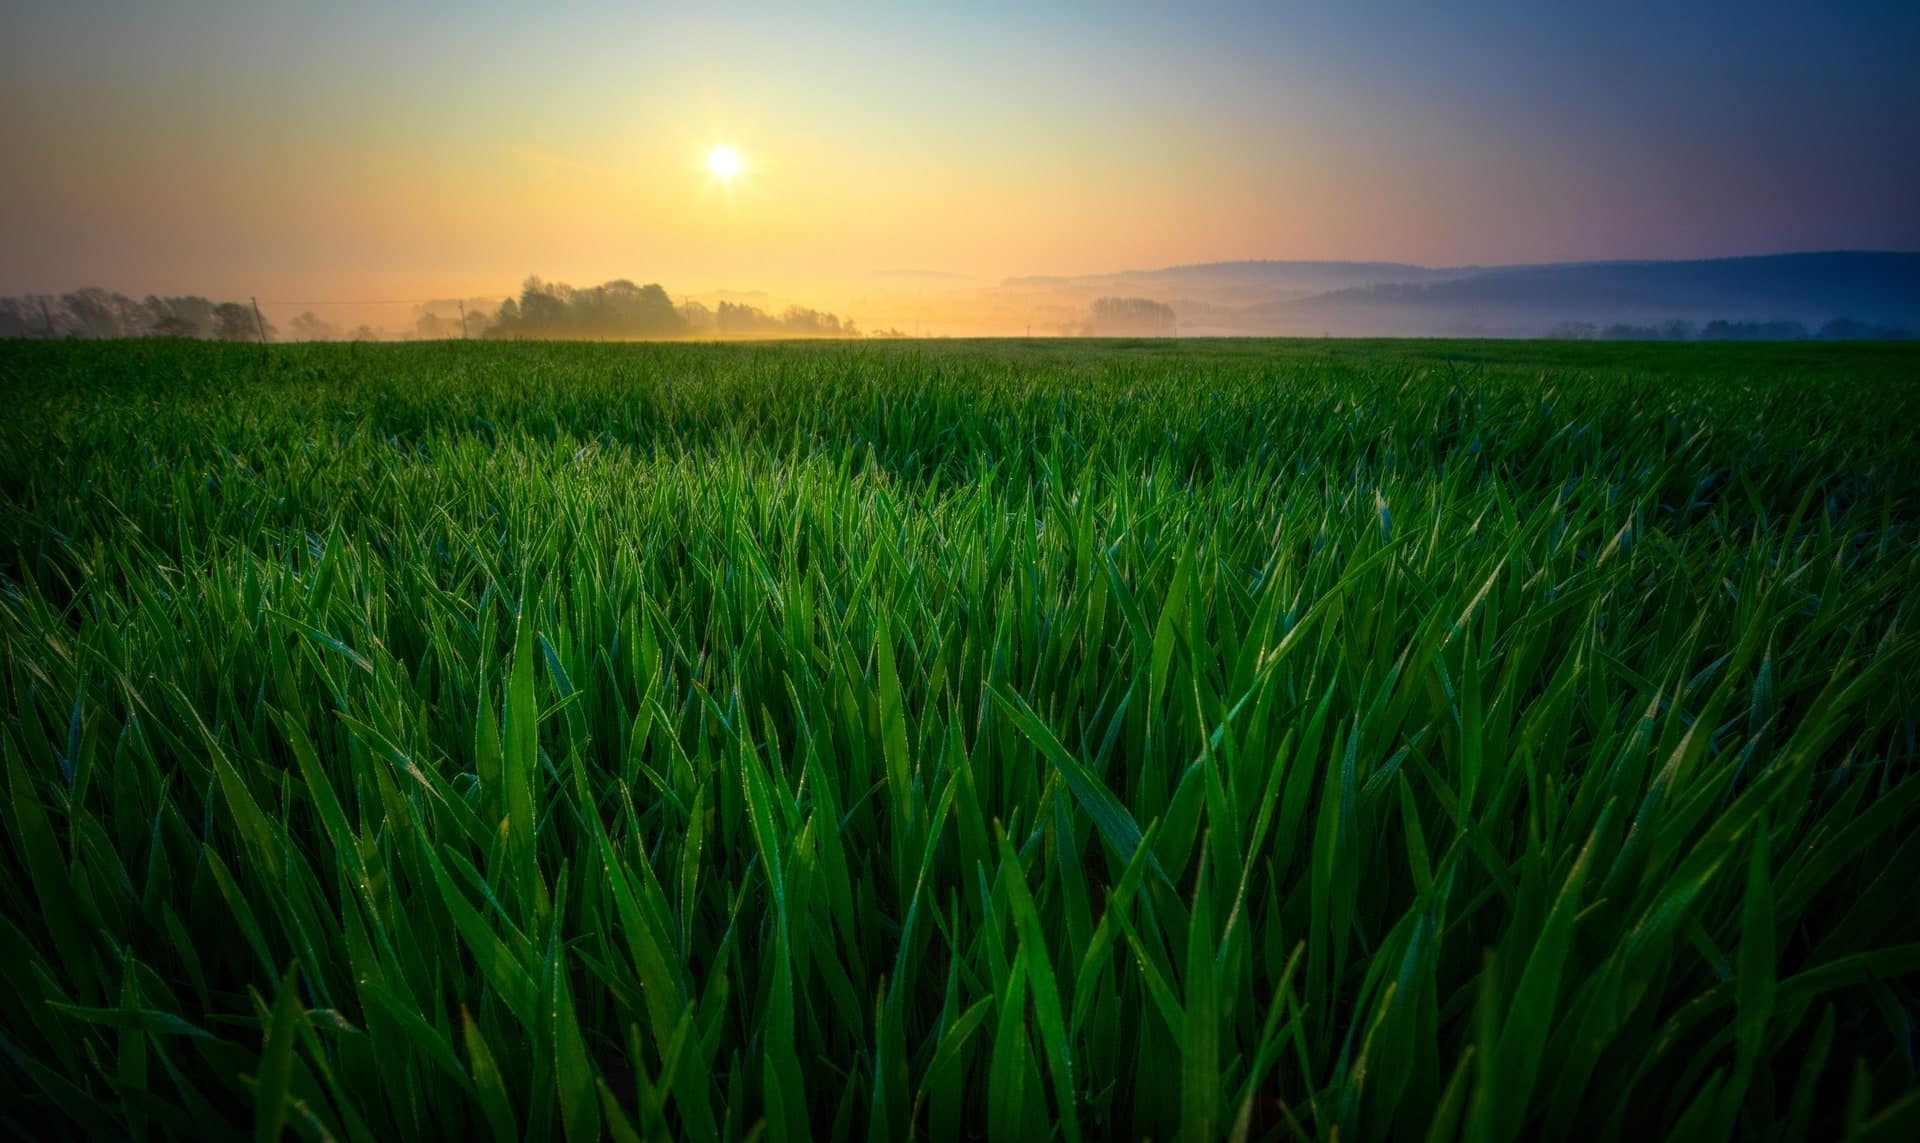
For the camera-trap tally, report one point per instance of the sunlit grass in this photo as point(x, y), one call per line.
point(528, 741)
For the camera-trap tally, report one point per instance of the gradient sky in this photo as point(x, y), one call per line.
point(319, 151)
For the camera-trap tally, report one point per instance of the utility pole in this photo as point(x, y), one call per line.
point(258, 323)
point(463, 320)
point(47, 314)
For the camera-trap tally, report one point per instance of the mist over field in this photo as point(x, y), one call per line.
point(1797, 295)
point(1849, 295)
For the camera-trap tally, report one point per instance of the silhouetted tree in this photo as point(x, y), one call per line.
point(696, 317)
point(737, 318)
point(1131, 317)
point(1848, 329)
point(433, 327)
point(622, 309)
point(186, 316)
point(97, 313)
point(47, 316)
point(17, 319)
point(310, 327)
point(234, 321)
point(803, 322)
point(543, 308)
point(1753, 331)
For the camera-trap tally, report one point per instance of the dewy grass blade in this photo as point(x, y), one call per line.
point(270, 1093)
point(1200, 1055)
point(1046, 997)
point(1107, 811)
point(573, 1070)
point(521, 757)
point(496, 1105)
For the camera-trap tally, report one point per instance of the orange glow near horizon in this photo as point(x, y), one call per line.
point(900, 165)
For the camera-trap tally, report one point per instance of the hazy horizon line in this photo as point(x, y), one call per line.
point(958, 277)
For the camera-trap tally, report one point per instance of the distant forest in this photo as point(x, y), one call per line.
point(611, 310)
point(621, 309)
point(93, 312)
point(1839, 329)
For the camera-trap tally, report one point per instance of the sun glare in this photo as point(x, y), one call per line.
point(723, 162)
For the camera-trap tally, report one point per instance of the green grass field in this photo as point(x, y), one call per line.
point(960, 740)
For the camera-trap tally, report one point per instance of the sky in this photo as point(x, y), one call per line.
point(328, 152)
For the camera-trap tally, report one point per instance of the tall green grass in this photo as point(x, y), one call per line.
point(1014, 741)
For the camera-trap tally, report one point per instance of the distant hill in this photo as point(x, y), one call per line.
point(1878, 289)
point(1237, 283)
point(1323, 275)
point(1881, 288)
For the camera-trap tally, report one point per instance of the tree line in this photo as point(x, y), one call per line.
point(1127, 317)
point(1839, 329)
point(615, 309)
point(621, 308)
point(94, 312)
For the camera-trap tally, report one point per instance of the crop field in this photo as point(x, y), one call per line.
point(949, 740)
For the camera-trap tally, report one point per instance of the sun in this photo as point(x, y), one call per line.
point(724, 163)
